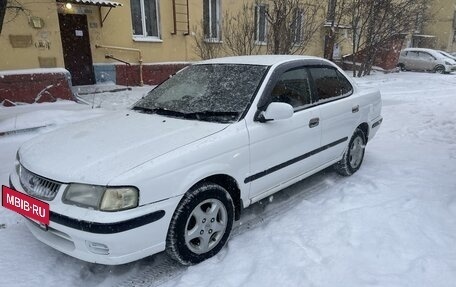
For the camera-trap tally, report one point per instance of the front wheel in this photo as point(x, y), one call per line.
point(354, 155)
point(439, 69)
point(201, 224)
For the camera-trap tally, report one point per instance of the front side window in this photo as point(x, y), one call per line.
point(330, 83)
point(260, 24)
point(426, 56)
point(211, 19)
point(144, 15)
point(293, 88)
point(213, 92)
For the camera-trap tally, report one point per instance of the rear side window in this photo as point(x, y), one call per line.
point(330, 83)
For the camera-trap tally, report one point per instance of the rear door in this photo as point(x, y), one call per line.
point(412, 62)
point(339, 112)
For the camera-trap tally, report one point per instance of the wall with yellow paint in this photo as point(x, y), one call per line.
point(45, 42)
point(443, 13)
point(115, 31)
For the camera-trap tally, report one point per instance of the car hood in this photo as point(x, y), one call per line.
point(98, 150)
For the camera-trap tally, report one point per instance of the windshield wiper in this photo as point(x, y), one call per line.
point(160, 111)
point(221, 116)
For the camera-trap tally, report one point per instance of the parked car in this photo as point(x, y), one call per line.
point(420, 59)
point(447, 55)
point(176, 170)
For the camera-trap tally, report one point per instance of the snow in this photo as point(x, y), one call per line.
point(393, 223)
point(33, 71)
point(266, 60)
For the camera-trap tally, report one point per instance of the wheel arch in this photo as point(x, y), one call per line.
point(364, 127)
point(231, 185)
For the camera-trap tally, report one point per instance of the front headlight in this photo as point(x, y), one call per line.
point(119, 199)
point(101, 197)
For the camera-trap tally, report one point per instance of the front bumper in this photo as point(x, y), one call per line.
point(450, 68)
point(109, 238)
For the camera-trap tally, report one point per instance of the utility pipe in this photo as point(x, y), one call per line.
point(141, 81)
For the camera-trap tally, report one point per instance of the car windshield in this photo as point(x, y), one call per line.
point(446, 55)
point(212, 92)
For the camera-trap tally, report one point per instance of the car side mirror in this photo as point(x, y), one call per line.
point(276, 111)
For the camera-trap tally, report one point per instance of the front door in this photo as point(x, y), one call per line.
point(285, 149)
point(76, 48)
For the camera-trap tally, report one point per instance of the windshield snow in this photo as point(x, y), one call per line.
point(217, 92)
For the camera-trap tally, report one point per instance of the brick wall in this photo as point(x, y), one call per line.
point(32, 86)
point(387, 56)
point(152, 74)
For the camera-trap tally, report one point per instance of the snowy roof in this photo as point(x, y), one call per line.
point(95, 2)
point(266, 60)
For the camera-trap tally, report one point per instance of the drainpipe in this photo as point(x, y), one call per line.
point(130, 50)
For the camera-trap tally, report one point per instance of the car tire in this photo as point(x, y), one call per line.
point(439, 69)
point(353, 156)
point(201, 224)
point(402, 67)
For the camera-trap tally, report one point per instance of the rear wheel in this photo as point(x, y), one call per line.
point(402, 67)
point(354, 155)
point(201, 224)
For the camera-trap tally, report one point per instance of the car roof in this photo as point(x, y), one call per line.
point(264, 60)
point(421, 50)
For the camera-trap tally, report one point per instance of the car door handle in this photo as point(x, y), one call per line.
point(355, 109)
point(314, 122)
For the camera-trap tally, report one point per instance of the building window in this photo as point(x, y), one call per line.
point(144, 15)
point(297, 25)
point(331, 11)
point(211, 18)
point(454, 20)
point(261, 24)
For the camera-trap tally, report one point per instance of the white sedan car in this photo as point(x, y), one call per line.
point(175, 171)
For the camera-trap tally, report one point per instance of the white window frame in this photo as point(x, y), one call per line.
point(257, 30)
point(144, 37)
point(217, 38)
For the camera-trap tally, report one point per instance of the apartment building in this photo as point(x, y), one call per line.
point(440, 31)
point(122, 41)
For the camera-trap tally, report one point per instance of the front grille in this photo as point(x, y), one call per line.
point(38, 186)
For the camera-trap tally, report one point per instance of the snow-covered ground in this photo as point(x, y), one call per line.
point(393, 223)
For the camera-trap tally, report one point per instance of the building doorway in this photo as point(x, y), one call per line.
point(77, 54)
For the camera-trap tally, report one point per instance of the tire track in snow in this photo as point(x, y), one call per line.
point(163, 269)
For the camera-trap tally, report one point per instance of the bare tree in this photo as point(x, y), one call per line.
point(10, 10)
point(334, 25)
point(374, 23)
point(205, 48)
point(292, 24)
point(2, 13)
point(239, 32)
